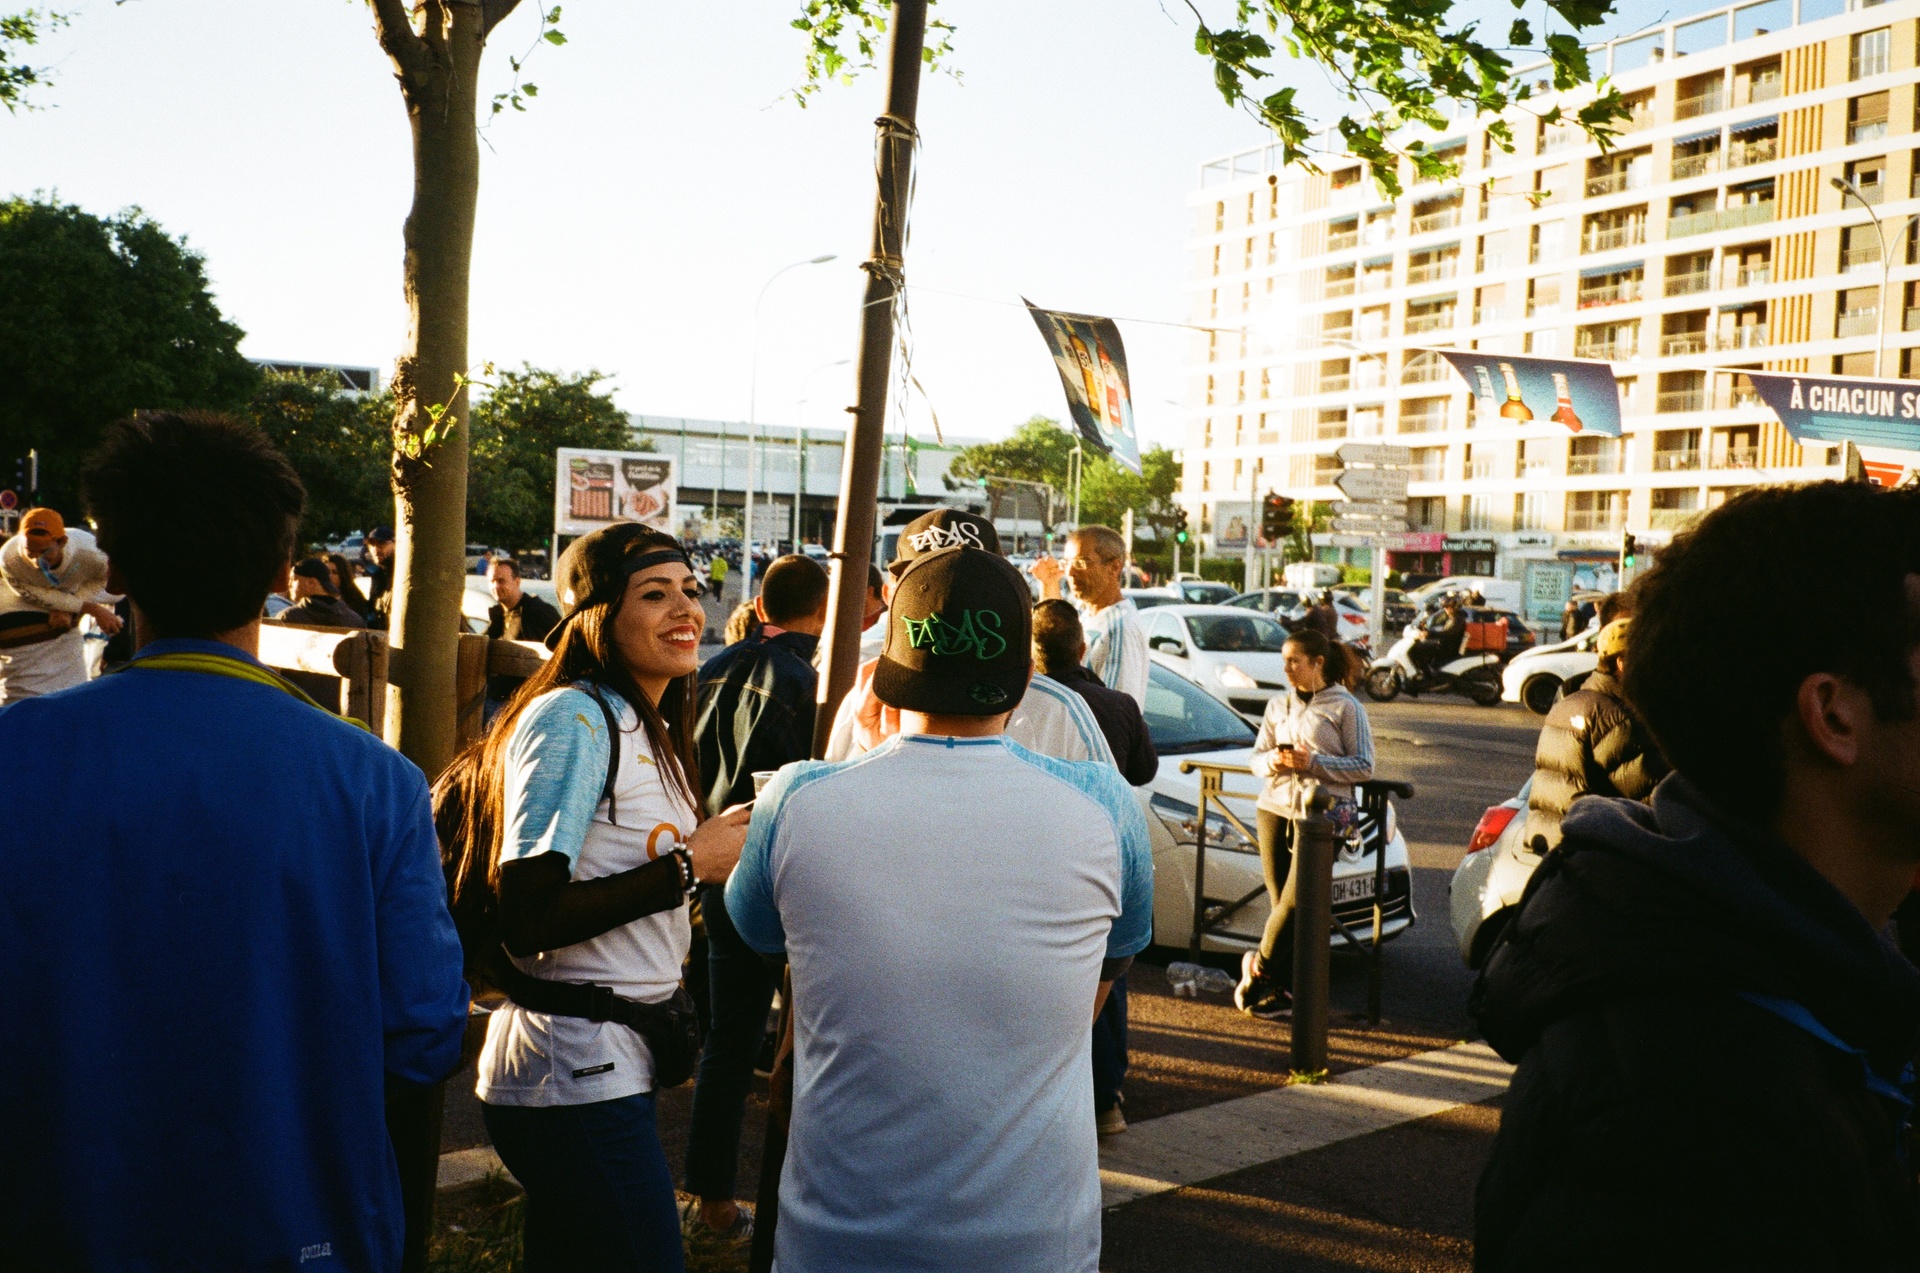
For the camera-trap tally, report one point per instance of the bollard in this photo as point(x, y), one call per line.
point(1312, 924)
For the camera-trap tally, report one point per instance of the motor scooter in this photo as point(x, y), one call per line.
point(1475, 675)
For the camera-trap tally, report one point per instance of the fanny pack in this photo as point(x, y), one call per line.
point(670, 1027)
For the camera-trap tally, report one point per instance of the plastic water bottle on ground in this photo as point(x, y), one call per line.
point(1216, 981)
point(1184, 978)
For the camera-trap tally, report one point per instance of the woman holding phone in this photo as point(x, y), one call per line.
point(1314, 732)
point(583, 832)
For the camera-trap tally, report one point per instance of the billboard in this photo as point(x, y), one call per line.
point(1232, 523)
point(592, 489)
point(1834, 409)
point(1583, 396)
point(1093, 370)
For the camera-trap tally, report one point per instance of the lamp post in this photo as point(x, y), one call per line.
point(800, 451)
point(1846, 186)
point(753, 408)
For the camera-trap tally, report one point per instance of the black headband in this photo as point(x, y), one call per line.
point(658, 557)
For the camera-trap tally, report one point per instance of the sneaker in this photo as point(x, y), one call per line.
point(693, 1224)
point(1110, 1122)
point(1269, 1003)
point(1245, 992)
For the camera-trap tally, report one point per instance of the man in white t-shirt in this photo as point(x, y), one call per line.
point(1116, 642)
point(50, 579)
point(944, 973)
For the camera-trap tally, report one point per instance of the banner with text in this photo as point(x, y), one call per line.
point(597, 488)
point(1093, 369)
point(1839, 409)
point(1583, 396)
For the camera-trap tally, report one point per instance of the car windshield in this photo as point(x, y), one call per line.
point(1182, 717)
point(1250, 633)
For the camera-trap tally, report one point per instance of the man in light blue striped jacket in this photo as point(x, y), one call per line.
point(1116, 643)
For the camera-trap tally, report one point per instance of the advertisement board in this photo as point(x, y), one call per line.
point(1581, 395)
point(1232, 522)
point(1843, 409)
point(597, 488)
point(1093, 370)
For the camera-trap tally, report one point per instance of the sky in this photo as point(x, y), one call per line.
point(631, 217)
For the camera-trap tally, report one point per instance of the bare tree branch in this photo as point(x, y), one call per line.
point(393, 27)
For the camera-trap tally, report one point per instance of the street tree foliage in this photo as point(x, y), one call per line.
point(19, 32)
point(102, 316)
point(1039, 451)
point(514, 432)
point(338, 442)
point(1399, 62)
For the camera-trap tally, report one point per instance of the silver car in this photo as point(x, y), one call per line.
point(1233, 654)
point(1488, 882)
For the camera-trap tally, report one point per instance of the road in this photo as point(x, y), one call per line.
point(1397, 1199)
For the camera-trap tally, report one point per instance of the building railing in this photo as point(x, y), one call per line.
point(1425, 373)
point(1433, 271)
point(1745, 154)
point(1751, 275)
point(1912, 322)
point(1533, 468)
point(1440, 321)
point(1763, 89)
point(1685, 166)
point(1335, 384)
point(1342, 241)
point(1624, 292)
point(1607, 238)
point(1743, 396)
point(1672, 518)
point(1866, 130)
point(1701, 104)
point(1475, 469)
point(1752, 336)
point(1681, 343)
point(1615, 182)
point(1737, 457)
point(1490, 313)
point(1676, 461)
point(1719, 219)
point(1376, 280)
point(1681, 400)
point(1593, 465)
point(1338, 287)
point(1860, 258)
point(1689, 283)
point(1859, 322)
point(1336, 333)
point(1596, 519)
point(1871, 192)
point(1441, 220)
point(1431, 422)
point(1607, 350)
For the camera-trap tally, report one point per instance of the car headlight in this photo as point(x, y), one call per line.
point(1231, 675)
point(1183, 823)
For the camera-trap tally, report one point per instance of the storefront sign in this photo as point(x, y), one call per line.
point(1469, 544)
point(1528, 539)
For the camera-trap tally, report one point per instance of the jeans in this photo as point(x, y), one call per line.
point(740, 990)
point(1276, 863)
point(1110, 1048)
point(599, 1191)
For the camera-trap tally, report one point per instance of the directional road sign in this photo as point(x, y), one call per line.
point(1371, 484)
point(1375, 453)
point(1370, 508)
point(1370, 525)
point(1394, 542)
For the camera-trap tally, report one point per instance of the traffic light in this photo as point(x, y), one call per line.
point(1180, 535)
point(1628, 551)
point(1276, 518)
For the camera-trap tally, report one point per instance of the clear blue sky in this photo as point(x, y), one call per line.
point(628, 219)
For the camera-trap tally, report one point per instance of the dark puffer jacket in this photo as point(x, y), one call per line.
point(1591, 745)
point(1658, 1119)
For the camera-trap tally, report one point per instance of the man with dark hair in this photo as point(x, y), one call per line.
point(944, 971)
point(1058, 646)
point(221, 911)
point(515, 615)
point(1712, 1030)
point(756, 714)
point(380, 547)
point(314, 603)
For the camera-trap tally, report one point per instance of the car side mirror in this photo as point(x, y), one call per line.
point(1169, 645)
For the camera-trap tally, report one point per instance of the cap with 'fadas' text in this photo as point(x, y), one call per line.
point(959, 636)
point(943, 528)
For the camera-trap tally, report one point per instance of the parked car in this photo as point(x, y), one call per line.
point(1502, 594)
point(1356, 628)
point(1268, 600)
point(1233, 655)
point(1488, 882)
point(1201, 592)
point(1186, 723)
point(1148, 598)
point(1400, 611)
point(1538, 677)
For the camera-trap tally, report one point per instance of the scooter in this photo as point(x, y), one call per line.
point(1475, 675)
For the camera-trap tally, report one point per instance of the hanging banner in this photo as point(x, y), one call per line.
point(1583, 396)
point(1093, 370)
point(1841, 409)
point(597, 488)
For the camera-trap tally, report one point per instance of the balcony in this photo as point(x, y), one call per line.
point(1912, 322)
point(1477, 468)
point(1336, 333)
point(1608, 350)
point(1744, 396)
point(1866, 130)
point(1561, 138)
point(1500, 313)
point(1592, 465)
point(1752, 275)
point(1857, 322)
point(1430, 422)
point(1615, 182)
point(1673, 400)
point(1529, 467)
point(1764, 89)
point(1338, 287)
point(1719, 219)
point(1689, 283)
point(1342, 241)
point(1701, 104)
point(1594, 519)
point(1430, 469)
point(1685, 166)
point(1622, 293)
point(1864, 258)
point(1335, 384)
point(1444, 219)
point(1676, 461)
point(1606, 239)
point(1672, 518)
point(1425, 373)
point(1442, 321)
point(1738, 457)
point(1872, 192)
point(1752, 336)
point(1745, 154)
point(1682, 343)
point(1433, 271)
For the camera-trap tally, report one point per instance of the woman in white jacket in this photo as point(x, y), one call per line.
point(1314, 733)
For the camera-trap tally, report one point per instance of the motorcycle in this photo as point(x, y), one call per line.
point(1475, 675)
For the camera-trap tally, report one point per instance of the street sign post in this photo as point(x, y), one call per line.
point(1371, 525)
point(1388, 540)
point(1370, 508)
point(1373, 516)
point(1373, 484)
point(1374, 453)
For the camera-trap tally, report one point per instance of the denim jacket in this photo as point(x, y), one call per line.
point(756, 712)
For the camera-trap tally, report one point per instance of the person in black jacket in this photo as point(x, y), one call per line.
point(755, 713)
point(1712, 1029)
point(1059, 643)
point(1593, 744)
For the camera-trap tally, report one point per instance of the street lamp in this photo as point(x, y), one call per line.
point(800, 448)
point(1846, 187)
point(753, 408)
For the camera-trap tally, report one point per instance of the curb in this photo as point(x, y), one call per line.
point(465, 1167)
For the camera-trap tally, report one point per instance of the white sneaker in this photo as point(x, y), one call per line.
point(1110, 1122)
point(1249, 980)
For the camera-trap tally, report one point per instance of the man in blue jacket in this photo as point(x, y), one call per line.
point(221, 912)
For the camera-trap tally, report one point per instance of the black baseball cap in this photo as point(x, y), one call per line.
point(942, 528)
point(959, 635)
point(380, 535)
point(314, 568)
point(596, 567)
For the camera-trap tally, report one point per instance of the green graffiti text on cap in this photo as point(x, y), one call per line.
point(977, 633)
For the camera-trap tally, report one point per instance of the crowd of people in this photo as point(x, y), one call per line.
point(240, 930)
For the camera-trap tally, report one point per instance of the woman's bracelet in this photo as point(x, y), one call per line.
point(689, 883)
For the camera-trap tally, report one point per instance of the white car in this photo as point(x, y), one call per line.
point(1535, 676)
point(1188, 724)
point(1489, 881)
point(1232, 654)
point(476, 600)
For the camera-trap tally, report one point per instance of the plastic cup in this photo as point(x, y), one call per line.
point(761, 777)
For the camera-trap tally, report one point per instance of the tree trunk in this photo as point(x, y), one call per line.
point(438, 68)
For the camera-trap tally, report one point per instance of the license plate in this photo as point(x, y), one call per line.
point(1355, 888)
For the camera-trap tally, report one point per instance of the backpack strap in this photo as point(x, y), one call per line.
point(1898, 1092)
point(613, 748)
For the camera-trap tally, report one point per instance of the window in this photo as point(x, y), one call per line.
point(1682, 391)
point(1530, 511)
point(1549, 242)
point(1436, 214)
point(1490, 304)
point(1476, 512)
point(1859, 248)
point(1546, 342)
point(1757, 81)
point(1429, 464)
point(1596, 510)
point(1427, 512)
point(1689, 274)
point(1430, 315)
point(1869, 177)
point(1336, 375)
point(1683, 333)
point(1618, 228)
point(1433, 264)
point(1871, 54)
point(1609, 342)
point(1332, 423)
point(1343, 234)
point(1346, 178)
point(1610, 174)
point(1859, 364)
point(1676, 450)
point(1701, 95)
point(1696, 156)
point(1423, 415)
point(1620, 286)
point(1543, 296)
point(1867, 118)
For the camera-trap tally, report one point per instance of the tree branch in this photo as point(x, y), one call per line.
point(493, 13)
point(393, 27)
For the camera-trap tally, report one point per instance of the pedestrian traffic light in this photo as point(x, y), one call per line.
point(1276, 518)
point(1628, 548)
point(1180, 535)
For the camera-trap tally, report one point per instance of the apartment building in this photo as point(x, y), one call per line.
point(1710, 240)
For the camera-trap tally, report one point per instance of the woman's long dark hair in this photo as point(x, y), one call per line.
point(470, 797)
point(1343, 665)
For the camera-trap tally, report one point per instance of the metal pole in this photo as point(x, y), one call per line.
point(1254, 527)
point(1312, 926)
point(860, 469)
point(1199, 872)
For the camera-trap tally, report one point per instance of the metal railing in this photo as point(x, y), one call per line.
point(1492, 313)
point(1596, 519)
point(1745, 154)
point(1433, 271)
point(1866, 130)
point(1682, 343)
point(1737, 457)
point(1685, 166)
point(1335, 384)
point(1593, 465)
point(1763, 90)
point(1607, 350)
point(1676, 461)
point(1752, 336)
point(1859, 322)
point(1607, 238)
point(1424, 373)
point(1429, 422)
point(1615, 182)
point(1860, 258)
point(1433, 322)
point(1701, 104)
point(1871, 192)
point(1752, 275)
point(1689, 283)
point(1624, 292)
point(1474, 469)
point(1342, 241)
point(1681, 400)
point(1444, 219)
point(1338, 287)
